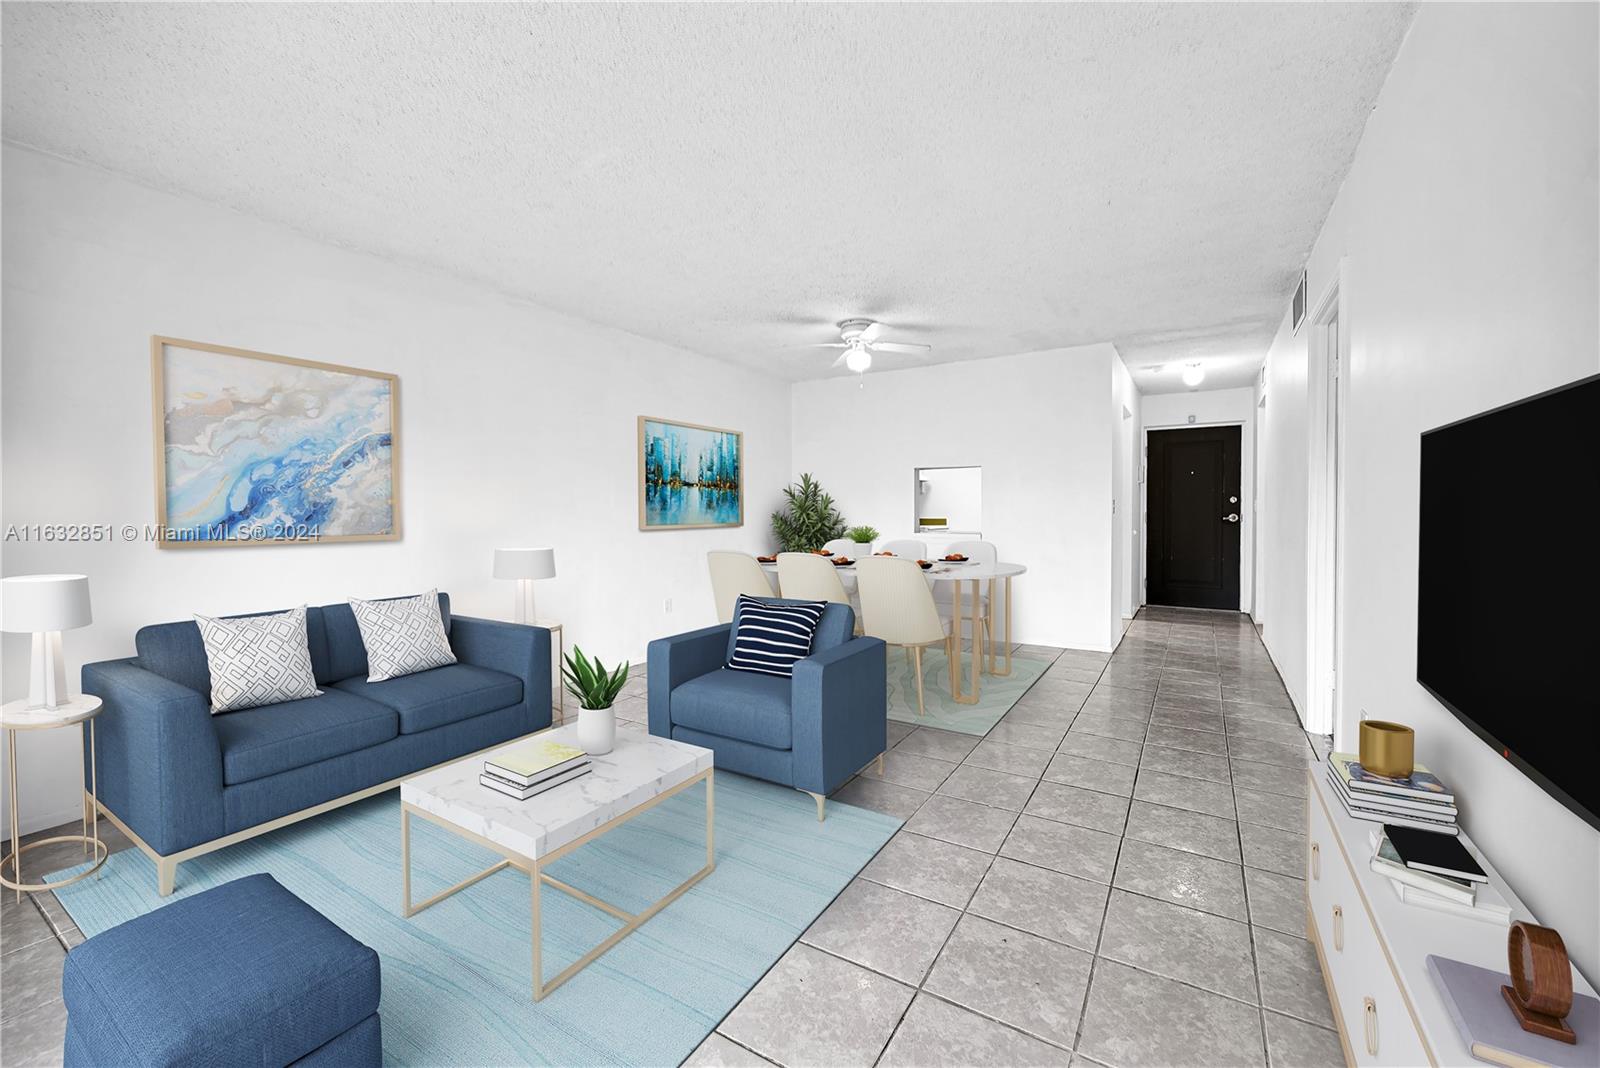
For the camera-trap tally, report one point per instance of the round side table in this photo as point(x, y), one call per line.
point(16, 716)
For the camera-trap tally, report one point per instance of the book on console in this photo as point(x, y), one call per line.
point(1428, 810)
point(1421, 784)
point(1360, 812)
point(1491, 1033)
point(522, 793)
point(1435, 853)
point(534, 761)
point(1487, 907)
point(1387, 863)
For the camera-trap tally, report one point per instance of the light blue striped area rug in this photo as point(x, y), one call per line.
point(456, 976)
point(996, 693)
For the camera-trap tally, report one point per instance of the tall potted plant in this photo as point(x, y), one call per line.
point(596, 690)
point(808, 519)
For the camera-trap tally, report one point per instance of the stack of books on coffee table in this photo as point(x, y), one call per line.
point(1419, 800)
point(527, 770)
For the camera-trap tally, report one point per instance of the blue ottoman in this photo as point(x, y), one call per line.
point(245, 973)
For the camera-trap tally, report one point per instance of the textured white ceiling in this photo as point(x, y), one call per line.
point(733, 179)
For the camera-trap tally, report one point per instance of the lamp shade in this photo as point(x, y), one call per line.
point(30, 604)
point(524, 563)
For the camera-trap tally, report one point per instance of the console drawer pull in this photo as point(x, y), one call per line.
point(1316, 861)
point(1338, 928)
point(1370, 1025)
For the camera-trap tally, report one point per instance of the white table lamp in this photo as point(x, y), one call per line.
point(44, 606)
point(524, 565)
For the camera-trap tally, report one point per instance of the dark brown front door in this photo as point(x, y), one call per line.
point(1193, 516)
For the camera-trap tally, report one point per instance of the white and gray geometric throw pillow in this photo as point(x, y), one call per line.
point(261, 660)
point(402, 636)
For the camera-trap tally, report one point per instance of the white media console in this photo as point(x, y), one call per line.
point(1374, 948)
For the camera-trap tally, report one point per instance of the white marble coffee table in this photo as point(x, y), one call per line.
point(640, 772)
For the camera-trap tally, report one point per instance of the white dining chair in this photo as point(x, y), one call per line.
point(910, 548)
point(809, 577)
point(979, 552)
point(897, 606)
point(734, 573)
point(841, 547)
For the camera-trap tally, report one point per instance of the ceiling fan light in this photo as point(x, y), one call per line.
point(1193, 375)
point(858, 359)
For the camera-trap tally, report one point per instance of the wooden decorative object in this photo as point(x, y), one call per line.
point(1540, 994)
point(1387, 749)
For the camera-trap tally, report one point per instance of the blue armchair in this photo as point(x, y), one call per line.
point(811, 732)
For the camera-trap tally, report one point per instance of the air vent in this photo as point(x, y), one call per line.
point(1298, 313)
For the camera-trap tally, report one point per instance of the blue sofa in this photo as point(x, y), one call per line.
point(182, 782)
point(811, 732)
point(243, 973)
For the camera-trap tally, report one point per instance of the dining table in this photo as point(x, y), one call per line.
point(957, 574)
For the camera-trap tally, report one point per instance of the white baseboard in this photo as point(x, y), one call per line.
point(38, 822)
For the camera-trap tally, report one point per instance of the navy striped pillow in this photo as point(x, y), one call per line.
point(769, 636)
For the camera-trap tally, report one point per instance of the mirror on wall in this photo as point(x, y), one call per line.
point(949, 499)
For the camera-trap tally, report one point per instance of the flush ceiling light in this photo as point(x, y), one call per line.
point(858, 359)
point(1193, 375)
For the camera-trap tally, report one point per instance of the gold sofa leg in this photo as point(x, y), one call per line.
point(820, 800)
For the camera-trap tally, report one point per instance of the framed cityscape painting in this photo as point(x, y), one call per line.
point(689, 476)
point(256, 449)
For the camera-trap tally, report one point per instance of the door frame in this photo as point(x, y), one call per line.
point(1327, 384)
point(1246, 501)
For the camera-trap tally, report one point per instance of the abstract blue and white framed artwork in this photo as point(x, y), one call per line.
point(256, 449)
point(690, 476)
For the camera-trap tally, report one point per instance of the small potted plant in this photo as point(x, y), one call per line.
point(596, 689)
point(863, 537)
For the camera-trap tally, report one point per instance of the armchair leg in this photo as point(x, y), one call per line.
point(166, 876)
point(880, 765)
point(820, 800)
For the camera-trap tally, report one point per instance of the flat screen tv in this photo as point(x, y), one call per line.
point(1508, 590)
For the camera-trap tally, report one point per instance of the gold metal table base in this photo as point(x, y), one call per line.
point(90, 838)
point(101, 852)
point(631, 921)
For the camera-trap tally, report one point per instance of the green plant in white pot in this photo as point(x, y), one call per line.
point(863, 536)
point(596, 690)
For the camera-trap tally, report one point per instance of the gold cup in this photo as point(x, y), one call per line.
point(1388, 749)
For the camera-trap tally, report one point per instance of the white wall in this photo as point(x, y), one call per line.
point(1467, 230)
point(1216, 407)
point(517, 427)
point(1038, 424)
point(1127, 470)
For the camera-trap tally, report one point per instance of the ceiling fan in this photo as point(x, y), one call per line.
point(859, 340)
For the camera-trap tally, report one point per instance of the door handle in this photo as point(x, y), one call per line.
point(1231, 517)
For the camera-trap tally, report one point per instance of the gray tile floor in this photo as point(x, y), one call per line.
point(35, 934)
point(1110, 877)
